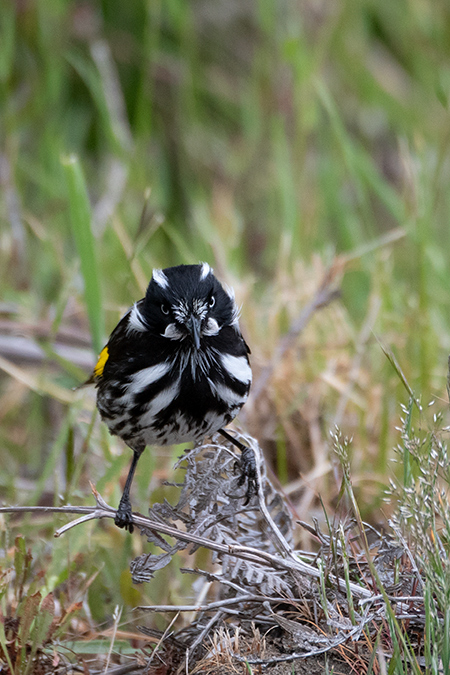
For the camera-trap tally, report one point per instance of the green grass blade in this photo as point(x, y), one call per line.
point(7, 40)
point(396, 366)
point(80, 218)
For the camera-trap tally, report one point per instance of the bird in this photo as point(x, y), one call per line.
point(175, 368)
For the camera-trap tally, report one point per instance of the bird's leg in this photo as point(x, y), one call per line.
point(247, 466)
point(123, 514)
point(233, 440)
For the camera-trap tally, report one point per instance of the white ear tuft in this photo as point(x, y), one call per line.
point(160, 278)
point(204, 271)
point(229, 290)
point(136, 321)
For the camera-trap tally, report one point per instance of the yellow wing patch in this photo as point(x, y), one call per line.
point(102, 359)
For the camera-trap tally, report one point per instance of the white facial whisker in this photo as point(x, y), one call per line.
point(173, 333)
point(211, 327)
point(181, 312)
point(200, 308)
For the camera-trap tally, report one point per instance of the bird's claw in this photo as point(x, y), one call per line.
point(247, 466)
point(124, 516)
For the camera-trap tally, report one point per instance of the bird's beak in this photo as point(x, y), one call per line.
point(193, 326)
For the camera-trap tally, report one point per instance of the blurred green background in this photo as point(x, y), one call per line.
point(274, 139)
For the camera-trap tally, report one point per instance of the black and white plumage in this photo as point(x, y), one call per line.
point(176, 366)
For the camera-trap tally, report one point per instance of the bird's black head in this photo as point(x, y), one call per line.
point(187, 303)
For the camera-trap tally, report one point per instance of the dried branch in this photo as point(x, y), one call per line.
point(325, 294)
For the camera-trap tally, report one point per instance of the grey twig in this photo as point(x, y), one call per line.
point(161, 640)
point(301, 655)
point(203, 633)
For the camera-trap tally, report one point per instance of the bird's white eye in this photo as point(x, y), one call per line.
point(212, 302)
point(164, 309)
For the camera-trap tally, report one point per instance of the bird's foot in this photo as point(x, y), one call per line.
point(247, 466)
point(124, 516)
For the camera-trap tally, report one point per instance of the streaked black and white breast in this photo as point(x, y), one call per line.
point(176, 367)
